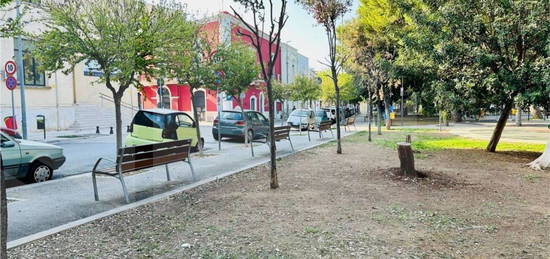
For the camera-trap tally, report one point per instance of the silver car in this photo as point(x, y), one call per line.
point(30, 160)
point(301, 119)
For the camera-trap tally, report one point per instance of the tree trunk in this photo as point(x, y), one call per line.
point(406, 159)
point(379, 118)
point(245, 123)
point(337, 91)
point(272, 148)
point(457, 116)
point(369, 115)
point(387, 111)
point(3, 213)
point(118, 121)
point(518, 115)
point(196, 117)
point(543, 161)
point(492, 146)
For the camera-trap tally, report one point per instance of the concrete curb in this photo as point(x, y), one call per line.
point(40, 235)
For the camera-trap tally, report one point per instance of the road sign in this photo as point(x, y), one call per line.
point(11, 82)
point(10, 67)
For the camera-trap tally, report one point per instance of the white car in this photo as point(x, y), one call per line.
point(301, 119)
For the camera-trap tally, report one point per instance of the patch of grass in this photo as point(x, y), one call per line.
point(311, 230)
point(433, 140)
point(532, 178)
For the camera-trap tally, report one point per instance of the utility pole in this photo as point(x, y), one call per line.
point(20, 75)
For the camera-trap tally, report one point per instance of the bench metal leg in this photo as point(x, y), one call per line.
point(320, 134)
point(94, 181)
point(124, 189)
point(331, 132)
point(96, 195)
point(291, 146)
point(192, 170)
point(167, 172)
point(252, 149)
point(308, 136)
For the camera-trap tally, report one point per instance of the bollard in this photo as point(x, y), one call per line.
point(97, 130)
point(111, 131)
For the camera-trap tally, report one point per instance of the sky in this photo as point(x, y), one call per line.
point(301, 31)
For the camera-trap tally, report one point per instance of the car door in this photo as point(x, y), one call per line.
point(11, 156)
point(186, 128)
point(253, 123)
point(263, 124)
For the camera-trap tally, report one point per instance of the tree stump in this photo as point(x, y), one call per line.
point(406, 158)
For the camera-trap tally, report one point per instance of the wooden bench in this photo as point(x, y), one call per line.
point(279, 133)
point(324, 126)
point(350, 121)
point(130, 159)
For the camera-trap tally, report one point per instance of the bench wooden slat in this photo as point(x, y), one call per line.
point(151, 162)
point(152, 147)
point(156, 153)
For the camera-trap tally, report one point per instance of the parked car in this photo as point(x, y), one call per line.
point(320, 117)
point(12, 133)
point(29, 160)
point(162, 125)
point(301, 119)
point(331, 112)
point(232, 124)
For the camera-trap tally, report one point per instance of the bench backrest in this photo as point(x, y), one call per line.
point(281, 132)
point(350, 120)
point(146, 156)
point(325, 125)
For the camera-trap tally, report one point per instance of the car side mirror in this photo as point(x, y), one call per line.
point(194, 125)
point(7, 144)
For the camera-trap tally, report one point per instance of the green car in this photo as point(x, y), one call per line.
point(29, 160)
point(162, 125)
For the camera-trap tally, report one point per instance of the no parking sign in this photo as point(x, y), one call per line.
point(11, 82)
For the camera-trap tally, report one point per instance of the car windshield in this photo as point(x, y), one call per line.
point(149, 119)
point(320, 113)
point(300, 113)
point(234, 116)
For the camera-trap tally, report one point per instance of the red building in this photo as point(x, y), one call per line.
point(223, 27)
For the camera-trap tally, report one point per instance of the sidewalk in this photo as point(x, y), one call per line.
point(39, 207)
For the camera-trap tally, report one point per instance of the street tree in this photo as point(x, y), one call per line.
point(6, 28)
point(500, 47)
point(123, 37)
point(267, 45)
point(327, 13)
point(304, 89)
point(347, 88)
point(191, 61)
point(282, 93)
point(240, 69)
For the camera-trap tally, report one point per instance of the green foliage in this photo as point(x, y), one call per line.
point(348, 91)
point(304, 89)
point(238, 62)
point(126, 38)
point(281, 91)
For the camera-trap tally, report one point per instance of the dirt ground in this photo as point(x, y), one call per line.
point(475, 204)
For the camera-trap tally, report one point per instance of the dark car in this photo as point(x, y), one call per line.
point(233, 124)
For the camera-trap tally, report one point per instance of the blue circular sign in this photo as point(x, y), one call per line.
point(11, 82)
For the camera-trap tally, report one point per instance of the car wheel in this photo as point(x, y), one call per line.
point(196, 147)
point(39, 172)
point(215, 137)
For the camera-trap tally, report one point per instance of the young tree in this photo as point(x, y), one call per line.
point(327, 13)
point(6, 28)
point(271, 39)
point(123, 37)
point(238, 63)
point(190, 61)
point(346, 87)
point(304, 89)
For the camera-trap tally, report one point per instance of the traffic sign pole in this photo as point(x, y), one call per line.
point(19, 61)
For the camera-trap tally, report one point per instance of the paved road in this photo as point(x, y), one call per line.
point(39, 207)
